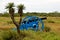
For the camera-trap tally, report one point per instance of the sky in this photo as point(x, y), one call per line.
point(33, 5)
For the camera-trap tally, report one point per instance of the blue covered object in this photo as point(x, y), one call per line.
point(32, 22)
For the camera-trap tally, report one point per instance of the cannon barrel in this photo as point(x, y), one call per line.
point(44, 18)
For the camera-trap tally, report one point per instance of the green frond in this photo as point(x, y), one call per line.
point(10, 5)
point(21, 6)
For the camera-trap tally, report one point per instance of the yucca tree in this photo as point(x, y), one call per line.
point(11, 12)
point(10, 8)
point(20, 9)
point(20, 12)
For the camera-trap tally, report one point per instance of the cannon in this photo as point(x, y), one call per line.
point(33, 23)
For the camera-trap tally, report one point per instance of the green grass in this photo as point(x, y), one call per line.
point(29, 35)
point(43, 36)
point(52, 22)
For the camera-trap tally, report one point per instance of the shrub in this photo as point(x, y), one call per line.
point(47, 29)
point(9, 22)
point(7, 35)
point(51, 21)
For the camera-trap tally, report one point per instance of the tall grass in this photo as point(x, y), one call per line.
point(28, 35)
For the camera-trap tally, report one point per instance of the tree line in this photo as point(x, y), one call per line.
point(52, 14)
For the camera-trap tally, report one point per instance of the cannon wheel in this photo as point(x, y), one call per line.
point(41, 25)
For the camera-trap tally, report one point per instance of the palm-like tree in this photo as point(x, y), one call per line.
point(10, 8)
point(11, 12)
point(20, 11)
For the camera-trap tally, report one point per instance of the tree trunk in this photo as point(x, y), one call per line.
point(16, 24)
point(18, 30)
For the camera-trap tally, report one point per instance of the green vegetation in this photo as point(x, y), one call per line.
point(47, 29)
point(51, 21)
point(28, 35)
point(9, 22)
point(52, 14)
point(53, 33)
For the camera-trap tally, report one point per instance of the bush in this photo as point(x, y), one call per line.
point(7, 35)
point(51, 21)
point(11, 35)
point(9, 22)
point(47, 29)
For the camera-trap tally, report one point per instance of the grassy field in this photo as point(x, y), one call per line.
point(52, 22)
